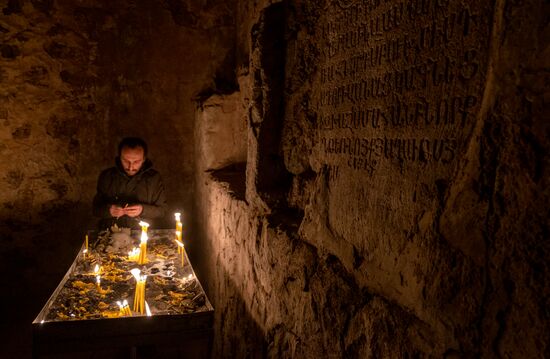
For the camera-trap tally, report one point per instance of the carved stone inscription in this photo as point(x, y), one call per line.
point(400, 82)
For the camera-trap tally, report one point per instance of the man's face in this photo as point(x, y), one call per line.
point(132, 159)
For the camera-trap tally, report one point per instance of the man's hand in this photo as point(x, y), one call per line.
point(134, 210)
point(116, 211)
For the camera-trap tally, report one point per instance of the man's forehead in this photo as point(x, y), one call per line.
point(129, 152)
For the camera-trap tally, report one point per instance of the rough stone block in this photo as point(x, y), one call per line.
point(222, 131)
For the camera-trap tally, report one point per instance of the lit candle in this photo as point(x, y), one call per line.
point(139, 296)
point(179, 226)
point(178, 239)
point(85, 247)
point(136, 272)
point(144, 226)
point(126, 307)
point(133, 255)
point(98, 281)
point(121, 308)
point(143, 248)
point(97, 269)
point(181, 249)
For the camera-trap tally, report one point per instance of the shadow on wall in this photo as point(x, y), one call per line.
point(245, 340)
point(34, 258)
point(268, 38)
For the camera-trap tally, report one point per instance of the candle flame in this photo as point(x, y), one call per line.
point(96, 269)
point(125, 303)
point(85, 251)
point(178, 216)
point(144, 224)
point(42, 321)
point(135, 272)
point(119, 304)
point(98, 279)
point(147, 309)
point(190, 277)
point(133, 252)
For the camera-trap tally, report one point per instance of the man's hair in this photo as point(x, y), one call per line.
point(132, 142)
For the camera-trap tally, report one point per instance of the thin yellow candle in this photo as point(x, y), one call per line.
point(182, 253)
point(143, 249)
point(136, 273)
point(120, 307)
point(126, 307)
point(141, 303)
point(85, 247)
point(179, 226)
point(181, 250)
point(139, 296)
point(142, 253)
point(178, 239)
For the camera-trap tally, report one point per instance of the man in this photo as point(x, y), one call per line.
point(131, 191)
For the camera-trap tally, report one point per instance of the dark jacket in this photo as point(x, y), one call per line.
point(114, 186)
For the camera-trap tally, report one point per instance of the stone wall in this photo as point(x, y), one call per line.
point(394, 200)
point(75, 77)
point(51, 141)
